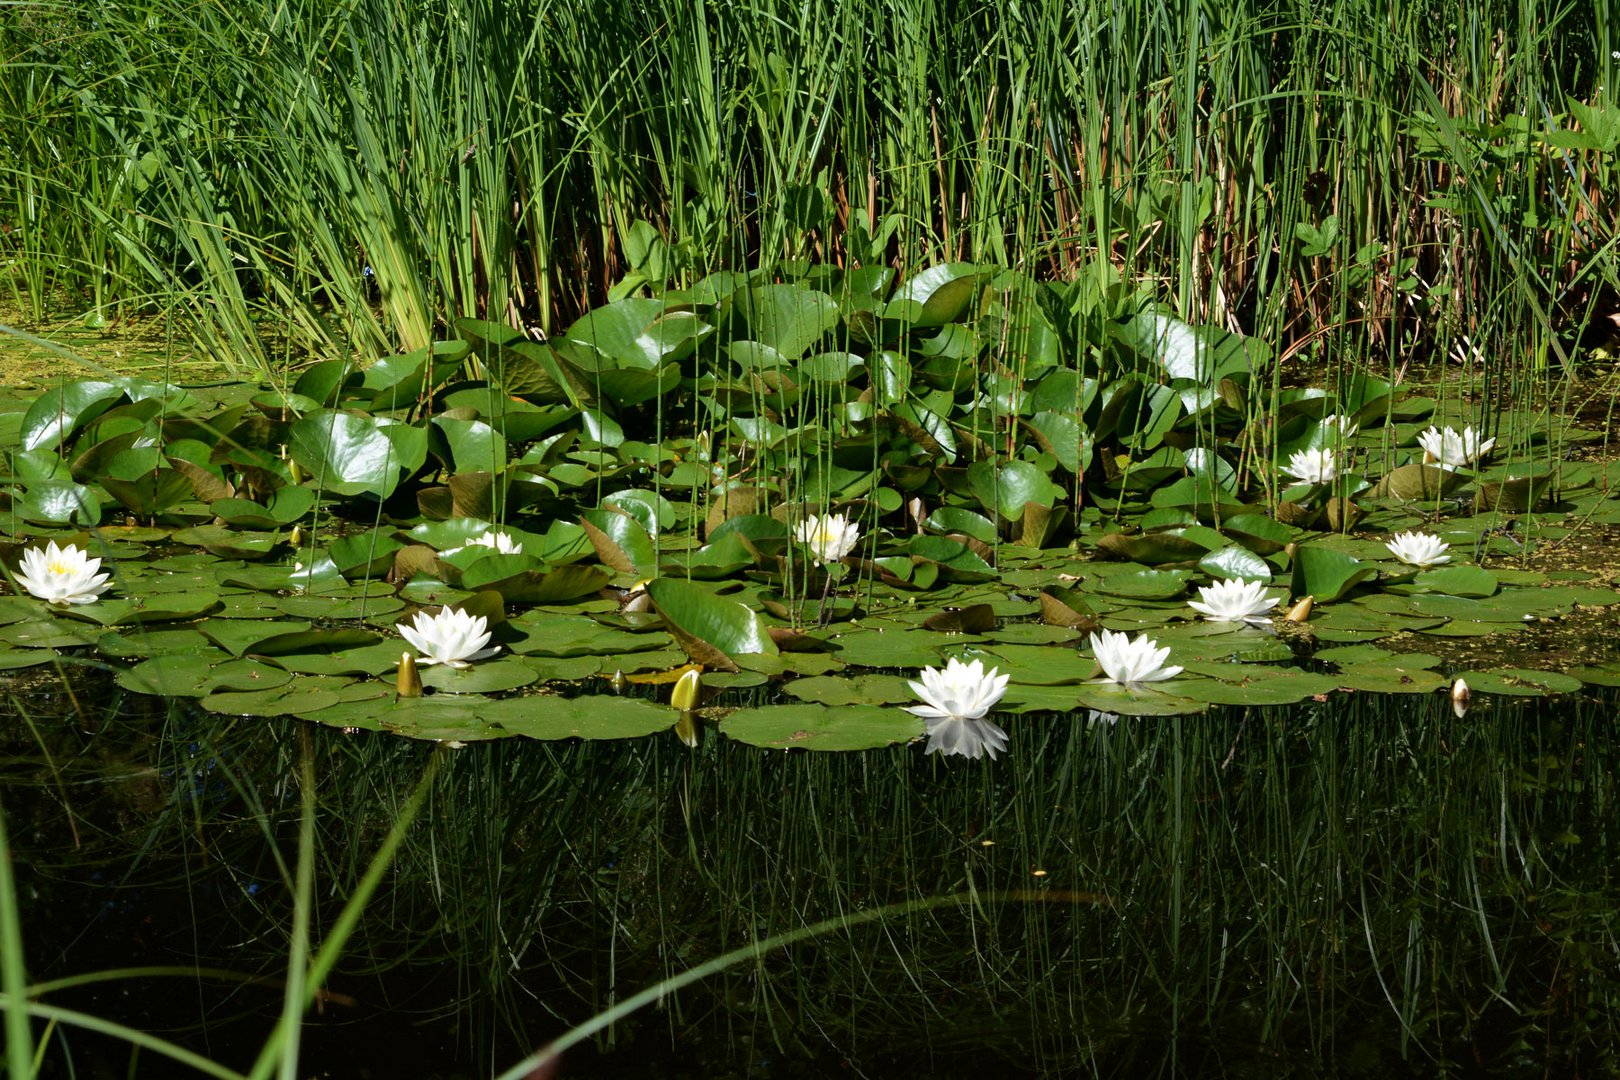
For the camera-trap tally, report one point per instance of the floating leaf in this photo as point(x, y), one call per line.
point(816, 727)
point(1520, 682)
point(858, 690)
point(1471, 581)
point(1142, 584)
point(541, 716)
point(199, 674)
point(975, 619)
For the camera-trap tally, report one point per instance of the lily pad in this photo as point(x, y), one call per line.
point(816, 727)
point(1129, 701)
point(199, 674)
point(1520, 682)
point(488, 677)
point(1143, 584)
point(860, 690)
point(589, 716)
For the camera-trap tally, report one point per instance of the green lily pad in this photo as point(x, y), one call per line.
point(860, 690)
point(1604, 674)
point(1128, 701)
point(1260, 686)
point(1235, 564)
point(141, 644)
point(1390, 678)
point(547, 634)
point(1520, 682)
point(1142, 584)
point(139, 612)
point(589, 716)
point(368, 660)
point(485, 677)
point(199, 674)
point(816, 727)
point(1471, 581)
point(47, 633)
point(238, 636)
point(299, 695)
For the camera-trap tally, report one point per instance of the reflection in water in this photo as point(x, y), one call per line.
point(1365, 886)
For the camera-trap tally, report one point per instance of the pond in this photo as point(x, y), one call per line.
point(1364, 886)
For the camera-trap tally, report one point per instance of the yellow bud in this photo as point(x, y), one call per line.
point(409, 681)
point(685, 695)
point(1300, 611)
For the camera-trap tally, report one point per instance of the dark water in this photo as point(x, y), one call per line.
point(1365, 887)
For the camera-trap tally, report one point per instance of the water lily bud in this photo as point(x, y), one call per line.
point(296, 537)
point(1301, 610)
point(408, 683)
point(1459, 698)
point(685, 696)
point(618, 682)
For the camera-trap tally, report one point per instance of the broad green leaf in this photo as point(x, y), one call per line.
point(1326, 574)
point(1007, 488)
point(55, 415)
point(787, 318)
point(816, 727)
point(346, 454)
point(936, 295)
point(713, 630)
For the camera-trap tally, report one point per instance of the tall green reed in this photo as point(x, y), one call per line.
point(1350, 183)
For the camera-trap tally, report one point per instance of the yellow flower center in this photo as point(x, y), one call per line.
point(60, 568)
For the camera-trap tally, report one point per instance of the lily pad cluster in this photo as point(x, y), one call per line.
point(807, 485)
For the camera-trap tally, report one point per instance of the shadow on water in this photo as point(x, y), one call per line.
point(1361, 887)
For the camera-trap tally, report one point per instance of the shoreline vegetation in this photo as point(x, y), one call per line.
point(1347, 183)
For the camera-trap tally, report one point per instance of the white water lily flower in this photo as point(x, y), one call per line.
point(1418, 549)
point(1451, 451)
point(452, 637)
point(501, 543)
point(62, 575)
point(830, 538)
point(1129, 661)
point(1235, 601)
point(1313, 466)
point(955, 702)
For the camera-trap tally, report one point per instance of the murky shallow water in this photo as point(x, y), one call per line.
point(1362, 887)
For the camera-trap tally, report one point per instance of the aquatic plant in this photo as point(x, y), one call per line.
point(1235, 600)
point(956, 700)
point(830, 537)
point(1313, 466)
point(452, 637)
point(62, 575)
point(1131, 661)
point(1450, 450)
point(1419, 549)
